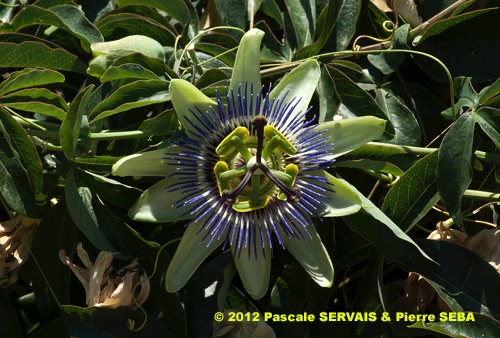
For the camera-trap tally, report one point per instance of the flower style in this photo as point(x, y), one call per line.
point(249, 166)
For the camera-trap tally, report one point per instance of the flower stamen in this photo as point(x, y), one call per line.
point(251, 167)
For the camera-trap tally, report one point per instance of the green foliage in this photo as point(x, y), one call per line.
point(63, 126)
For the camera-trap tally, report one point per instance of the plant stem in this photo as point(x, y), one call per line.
point(32, 123)
point(482, 195)
point(445, 13)
point(481, 155)
point(119, 135)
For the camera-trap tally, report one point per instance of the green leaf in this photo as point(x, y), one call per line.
point(128, 71)
point(54, 329)
point(211, 78)
point(425, 106)
point(67, 17)
point(454, 172)
point(136, 94)
point(407, 130)
point(122, 24)
point(366, 164)
point(414, 194)
point(345, 24)
point(70, 127)
point(489, 93)
point(154, 65)
point(95, 322)
point(357, 101)
point(81, 200)
point(490, 125)
point(101, 164)
point(15, 185)
point(388, 63)
point(295, 292)
point(303, 19)
point(271, 9)
point(444, 24)
point(388, 238)
point(465, 277)
point(477, 36)
point(206, 294)
point(36, 100)
point(329, 99)
point(324, 27)
point(9, 325)
point(178, 9)
point(24, 150)
point(128, 241)
point(464, 89)
point(118, 194)
point(482, 326)
point(232, 13)
point(36, 54)
point(56, 231)
point(368, 300)
point(30, 77)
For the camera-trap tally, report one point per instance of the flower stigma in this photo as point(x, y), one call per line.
point(249, 171)
point(248, 167)
point(246, 181)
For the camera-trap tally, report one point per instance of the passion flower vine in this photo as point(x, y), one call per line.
point(249, 171)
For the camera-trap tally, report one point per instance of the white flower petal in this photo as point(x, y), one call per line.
point(254, 265)
point(189, 101)
point(149, 163)
point(340, 199)
point(195, 246)
point(300, 83)
point(156, 204)
point(247, 64)
point(312, 255)
point(349, 134)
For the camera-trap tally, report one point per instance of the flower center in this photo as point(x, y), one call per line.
point(251, 169)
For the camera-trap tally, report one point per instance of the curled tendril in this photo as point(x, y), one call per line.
point(130, 321)
point(388, 26)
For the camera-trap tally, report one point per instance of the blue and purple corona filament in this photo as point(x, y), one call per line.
point(244, 170)
point(249, 165)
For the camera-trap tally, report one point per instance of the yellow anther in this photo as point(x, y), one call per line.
point(292, 170)
point(270, 132)
point(233, 142)
point(219, 168)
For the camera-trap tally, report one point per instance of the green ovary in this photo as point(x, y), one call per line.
point(237, 156)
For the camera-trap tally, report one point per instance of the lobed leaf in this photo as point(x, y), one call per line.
point(36, 100)
point(24, 150)
point(345, 24)
point(15, 187)
point(414, 194)
point(37, 54)
point(482, 326)
point(82, 200)
point(388, 238)
point(454, 172)
point(466, 278)
point(30, 77)
point(71, 125)
point(67, 17)
point(136, 94)
point(406, 127)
